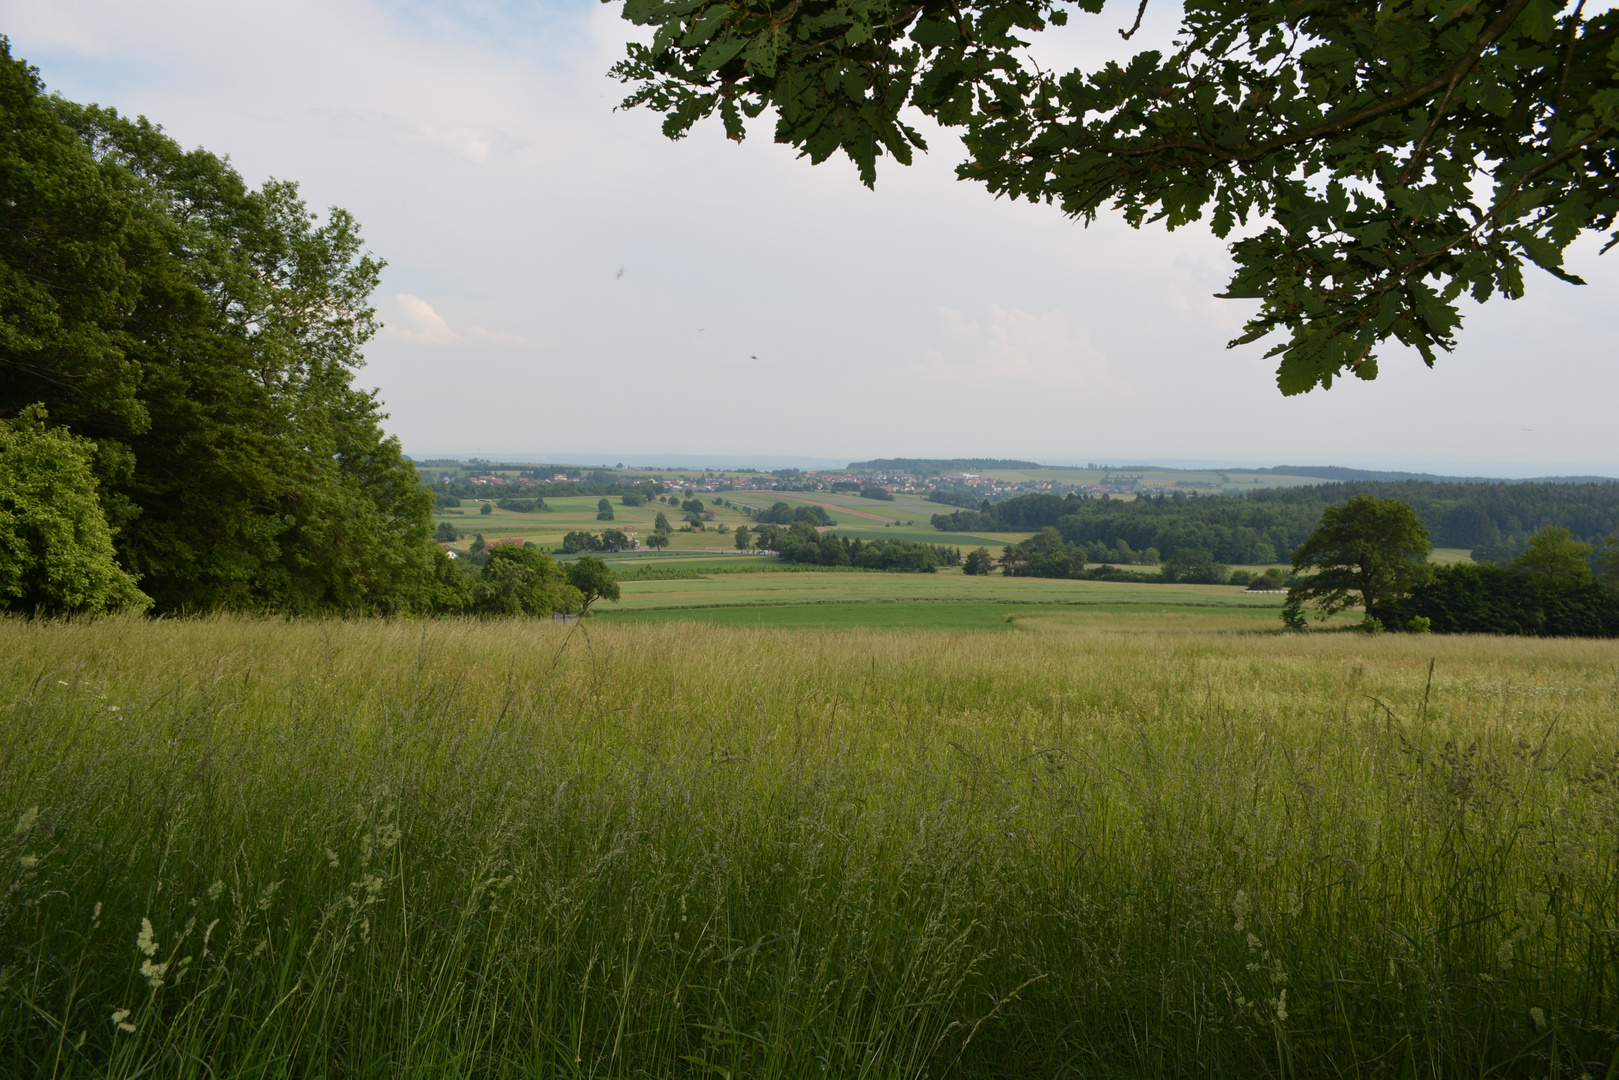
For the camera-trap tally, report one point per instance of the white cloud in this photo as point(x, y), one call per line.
point(471, 143)
point(1015, 346)
point(422, 325)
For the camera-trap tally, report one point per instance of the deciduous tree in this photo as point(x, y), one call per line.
point(1367, 551)
point(1373, 163)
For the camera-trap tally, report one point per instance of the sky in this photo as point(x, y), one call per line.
point(565, 283)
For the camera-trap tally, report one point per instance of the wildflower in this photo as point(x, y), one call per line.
point(215, 889)
point(144, 940)
point(1539, 1017)
point(1504, 954)
point(1253, 942)
point(95, 916)
point(120, 1017)
point(29, 861)
point(1239, 907)
point(206, 934)
point(26, 822)
point(331, 858)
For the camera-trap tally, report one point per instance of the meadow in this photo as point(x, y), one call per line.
point(1084, 845)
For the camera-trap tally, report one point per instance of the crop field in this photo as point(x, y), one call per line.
point(1078, 845)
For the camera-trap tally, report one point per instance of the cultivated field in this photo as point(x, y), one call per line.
point(265, 848)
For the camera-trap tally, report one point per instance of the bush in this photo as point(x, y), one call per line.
point(519, 580)
point(632, 498)
point(578, 541)
point(878, 493)
point(521, 506)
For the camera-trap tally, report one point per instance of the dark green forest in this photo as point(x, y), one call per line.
point(192, 341)
point(1492, 520)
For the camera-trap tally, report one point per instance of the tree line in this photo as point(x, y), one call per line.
point(1494, 521)
point(182, 431)
point(801, 543)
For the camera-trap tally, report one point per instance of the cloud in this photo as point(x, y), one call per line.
point(1015, 346)
point(422, 325)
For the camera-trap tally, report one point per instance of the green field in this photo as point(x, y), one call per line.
point(1091, 841)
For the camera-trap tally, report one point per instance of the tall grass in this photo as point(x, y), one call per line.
point(260, 848)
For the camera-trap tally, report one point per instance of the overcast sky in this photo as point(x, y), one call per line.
point(766, 306)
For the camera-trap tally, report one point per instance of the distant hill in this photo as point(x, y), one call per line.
point(927, 465)
point(1335, 472)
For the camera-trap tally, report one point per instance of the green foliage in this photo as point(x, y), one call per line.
point(881, 494)
point(56, 551)
point(658, 540)
point(632, 498)
point(1554, 554)
point(519, 580)
point(744, 538)
point(521, 506)
point(1405, 156)
point(445, 502)
point(616, 540)
point(783, 513)
point(802, 544)
point(604, 510)
point(593, 580)
point(205, 335)
point(661, 522)
point(486, 508)
point(1606, 561)
point(579, 540)
point(1472, 599)
point(1367, 551)
point(1194, 566)
point(978, 563)
point(446, 533)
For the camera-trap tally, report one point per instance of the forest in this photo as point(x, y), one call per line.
point(1493, 521)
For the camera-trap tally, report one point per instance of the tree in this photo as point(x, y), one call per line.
point(616, 540)
point(1193, 566)
point(594, 580)
point(1394, 157)
point(604, 510)
point(658, 540)
point(446, 533)
point(56, 551)
point(486, 508)
point(204, 335)
point(522, 581)
point(661, 523)
point(579, 540)
point(1367, 551)
point(1607, 560)
point(979, 562)
point(1554, 554)
point(744, 539)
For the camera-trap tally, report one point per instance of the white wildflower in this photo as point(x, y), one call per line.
point(26, 822)
point(28, 862)
point(120, 1017)
point(1253, 942)
point(1239, 907)
point(144, 940)
point(331, 858)
point(215, 889)
point(1539, 1017)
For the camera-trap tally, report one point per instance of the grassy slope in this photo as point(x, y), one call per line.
point(395, 849)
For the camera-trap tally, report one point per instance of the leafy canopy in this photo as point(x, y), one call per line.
point(1392, 158)
point(1367, 551)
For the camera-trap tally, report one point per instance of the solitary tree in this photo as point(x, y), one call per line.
point(604, 510)
point(1367, 551)
point(978, 562)
point(594, 580)
point(1391, 157)
point(658, 539)
point(744, 539)
point(661, 523)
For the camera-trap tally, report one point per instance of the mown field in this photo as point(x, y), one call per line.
point(1084, 845)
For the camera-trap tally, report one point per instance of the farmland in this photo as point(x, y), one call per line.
point(1091, 841)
